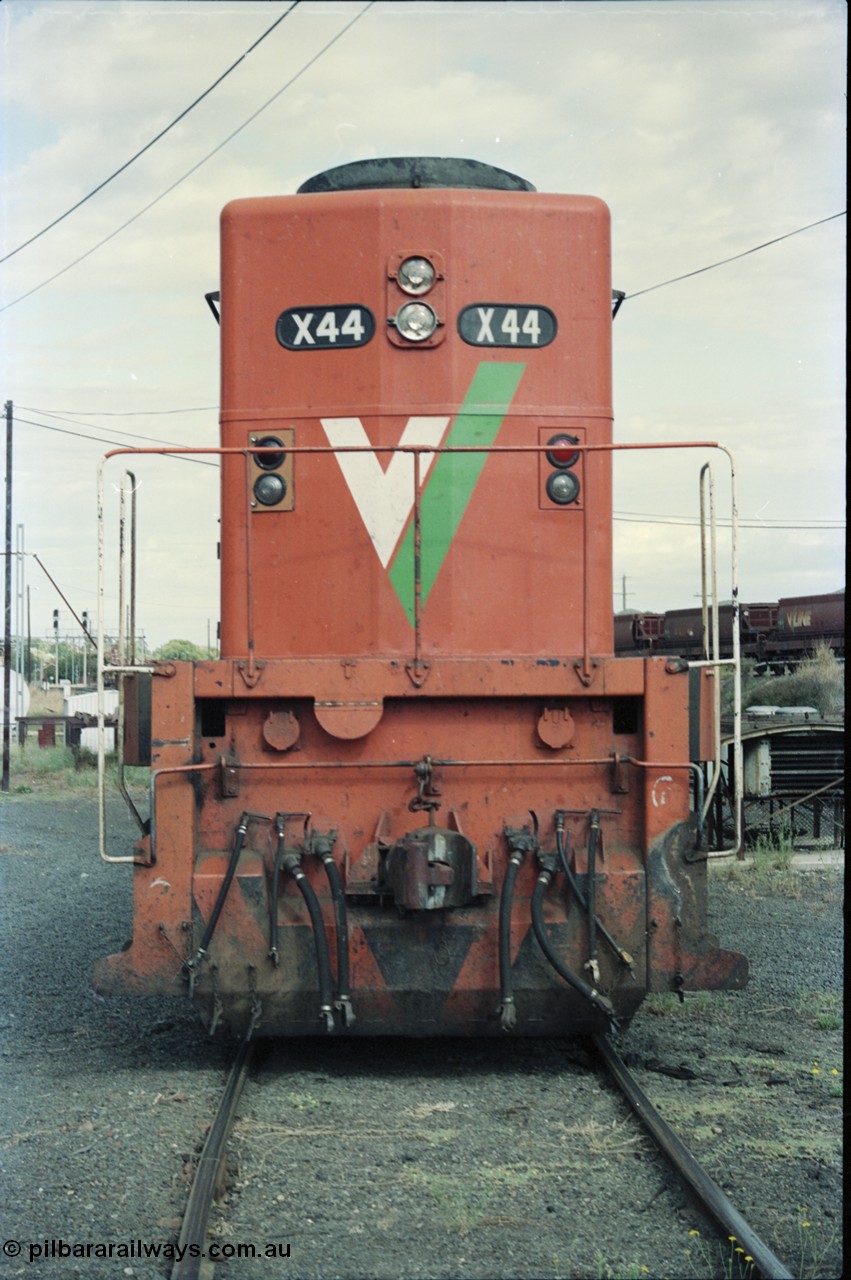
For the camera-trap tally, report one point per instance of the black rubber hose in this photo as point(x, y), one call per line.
point(566, 868)
point(341, 921)
point(326, 1010)
point(239, 841)
point(273, 900)
point(593, 838)
point(579, 984)
point(507, 1009)
point(619, 951)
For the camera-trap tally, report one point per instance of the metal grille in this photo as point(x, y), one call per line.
point(809, 822)
point(798, 792)
point(801, 763)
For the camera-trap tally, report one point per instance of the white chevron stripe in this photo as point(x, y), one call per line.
point(385, 499)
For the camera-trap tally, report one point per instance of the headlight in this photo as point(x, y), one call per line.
point(270, 489)
point(563, 487)
point(416, 275)
point(415, 321)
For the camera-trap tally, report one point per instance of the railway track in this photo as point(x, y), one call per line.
point(731, 1225)
point(196, 1218)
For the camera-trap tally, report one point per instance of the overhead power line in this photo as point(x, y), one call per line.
point(148, 145)
point(77, 420)
point(195, 167)
point(736, 256)
point(756, 522)
point(121, 444)
point(109, 413)
point(626, 517)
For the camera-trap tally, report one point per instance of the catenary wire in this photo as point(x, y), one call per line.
point(758, 521)
point(111, 413)
point(148, 145)
point(77, 421)
point(195, 167)
point(82, 435)
point(625, 517)
point(723, 262)
point(684, 522)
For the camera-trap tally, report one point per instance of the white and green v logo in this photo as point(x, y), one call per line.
point(385, 499)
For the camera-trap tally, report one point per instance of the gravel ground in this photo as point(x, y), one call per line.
point(421, 1159)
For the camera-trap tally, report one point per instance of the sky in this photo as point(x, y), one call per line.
point(710, 128)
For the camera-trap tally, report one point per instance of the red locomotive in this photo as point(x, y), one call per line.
point(417, 793)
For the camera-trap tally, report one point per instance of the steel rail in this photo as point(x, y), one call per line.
point(193, 1232)
point(709, 1194)
point(191, 1241)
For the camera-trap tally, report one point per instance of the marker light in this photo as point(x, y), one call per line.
point(415, 321)
point(563, 487)
point(270, 489)
point(269, 461)
point(416, 275)
point(559, 453)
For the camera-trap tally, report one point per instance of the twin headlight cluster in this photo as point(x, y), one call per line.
point(416, 321)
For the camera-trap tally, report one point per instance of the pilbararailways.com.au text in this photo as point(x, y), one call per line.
point(36, 1251)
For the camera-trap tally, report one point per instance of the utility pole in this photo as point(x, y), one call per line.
point(7, 632)
point(20, 565)
point(29, 640)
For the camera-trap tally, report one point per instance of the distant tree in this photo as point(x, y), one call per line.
point(181, 651)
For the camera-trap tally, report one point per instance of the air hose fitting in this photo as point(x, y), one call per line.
point(289, 860)
point(520, 841)
point(589, 993)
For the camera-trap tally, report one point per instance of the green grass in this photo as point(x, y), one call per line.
point(821, 1009)
point(36, 769)
point(767, 868)
point(464, 1203)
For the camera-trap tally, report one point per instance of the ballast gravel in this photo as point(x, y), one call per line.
point(396, 1159)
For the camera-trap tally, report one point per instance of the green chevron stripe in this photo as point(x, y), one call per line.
point(453, 479)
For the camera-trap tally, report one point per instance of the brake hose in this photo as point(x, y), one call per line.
point(239, 841)
point(579, 984)
point(291, 862)
point(344, 1000)
point(622, 954)
point(507, 1010)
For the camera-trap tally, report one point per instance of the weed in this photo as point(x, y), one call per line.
point(773, 852)
point(302, 1101)
point(829, 1079)
point(634, 1272)
point(814, 1244)
point(769, 868)
point(61, 768)
point(823, 1009)
point(463, 1201)
point(601, 1139)
point(437, 1137)
point(700, 1005)
point(728, 1260)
